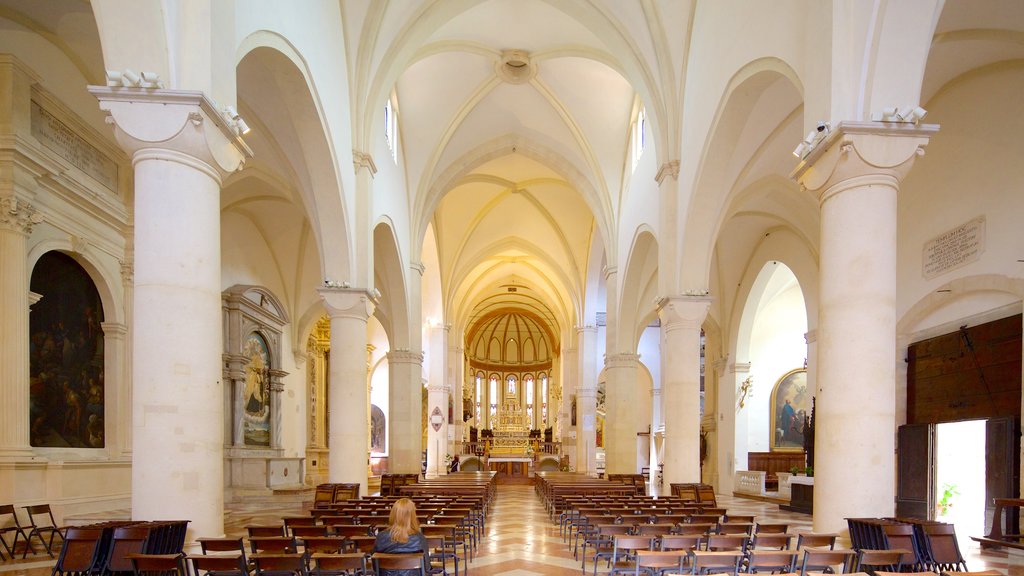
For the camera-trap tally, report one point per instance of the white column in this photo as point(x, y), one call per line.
point(855, 173)
point(181, 150)
point(569, 375)
point(118, 420)
point(406, 411)
point(732, 424)
point(621, 413)
point(437, 403)
point(681, 320)
point(126, 396)
point(16, 221)
point(347, 397)
point(586, 400)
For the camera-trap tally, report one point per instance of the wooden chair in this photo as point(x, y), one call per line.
point(943, 548)
point(78, 553)
point(770, 528)
point(157, 564)
point(225, 565)
point(45, 525)
point(872, 561)
point(712, 562)
point(603, 543)
point(324, 545)
point(701, 529)
point(657, 562)
point(413, 561)
point(770, 541)
point(273, 545)
point(263, 531)
point(720, 542)
point(279, 564)
point(125, 541)
point(744, 528)
point(228, 547)
point(437, 556)
point(819, 560)
point(783, 561)
point(812, 540)
point(624, 550)
point(350, 530)
point(11, 526)
point(450, 542)
point(350, 564)
point(902, 536)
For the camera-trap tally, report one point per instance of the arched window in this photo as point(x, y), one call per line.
point(479, 392)
point(544, 399)
point(528, 384)
point(493, 397)
point(66, 389)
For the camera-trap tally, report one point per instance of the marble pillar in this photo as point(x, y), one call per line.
point(855, 174)
point(732, 423)
point(620, 440)
point(437, 403)
point(182, 150)
point(406, 411)
point(347, 397)
point(681, 320)
point(586, 401)
point(16, 221)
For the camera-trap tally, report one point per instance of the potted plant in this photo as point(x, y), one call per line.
point(809, 471)
point(795, 470)
point(949, 492)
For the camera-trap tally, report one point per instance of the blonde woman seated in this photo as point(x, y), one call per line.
point(402, 536)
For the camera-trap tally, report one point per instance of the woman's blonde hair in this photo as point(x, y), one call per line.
point(402, 521)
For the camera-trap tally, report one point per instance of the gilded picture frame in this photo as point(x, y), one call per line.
point(790, 405)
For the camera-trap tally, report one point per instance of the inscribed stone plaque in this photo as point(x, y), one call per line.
point(954, 248)
point(60, 138)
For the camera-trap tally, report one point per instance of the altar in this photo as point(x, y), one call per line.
point(510, 451)
point(511, 466)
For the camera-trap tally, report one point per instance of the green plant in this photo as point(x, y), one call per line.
point(949, 492)
point(794, 470)
point(809, 471)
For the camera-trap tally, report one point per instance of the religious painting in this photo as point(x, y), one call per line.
point(256, 397)
point(790, 404)
point(378, 425)
point(66, 388)
point(572, 410)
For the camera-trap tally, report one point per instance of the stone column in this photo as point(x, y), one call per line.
point(126, 396)
point(586, 401)
point(621, 413)
point(855, 174)
point(115, 387)
point(569, 375)
point(347, 398)
point(405, 418)
point(732, 423)
point(437, 402)
point(16, 221)
point(181, 150)
point(681, 320)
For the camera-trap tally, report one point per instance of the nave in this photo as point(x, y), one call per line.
point(521, 540)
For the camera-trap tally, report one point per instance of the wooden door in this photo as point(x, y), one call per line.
point(1002, 468)
point(915, 445)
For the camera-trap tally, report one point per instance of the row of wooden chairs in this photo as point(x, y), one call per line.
point(40, 526)
point(278, 564)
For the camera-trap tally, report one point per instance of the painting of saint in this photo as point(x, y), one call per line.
point(790, 404)
point(377, 430)
point(256, 394)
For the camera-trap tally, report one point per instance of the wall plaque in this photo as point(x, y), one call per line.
point(62, 140)
point(954, 248)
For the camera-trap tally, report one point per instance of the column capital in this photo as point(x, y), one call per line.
point(684, 311)
point(405, 357)
point(181, 126)
point(622, 360)
point(859, 153)
point(114, 329)
point(18, 216)
point(670, 168)
point(608, 271)
point(357, 303)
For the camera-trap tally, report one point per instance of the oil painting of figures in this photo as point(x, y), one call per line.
point(66, 388)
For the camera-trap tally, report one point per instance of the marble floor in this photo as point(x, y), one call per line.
point(521, 540)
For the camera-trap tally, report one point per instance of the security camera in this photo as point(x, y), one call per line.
point(822, 126)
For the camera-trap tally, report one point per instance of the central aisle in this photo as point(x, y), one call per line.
point(520, 538)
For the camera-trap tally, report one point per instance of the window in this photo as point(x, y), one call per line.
point(479, 391)
point(544, 399)
point(639, 128)
point(494, 396)
point(391, 129)
point(528, 386)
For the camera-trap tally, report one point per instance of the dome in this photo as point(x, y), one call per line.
point(511, 337)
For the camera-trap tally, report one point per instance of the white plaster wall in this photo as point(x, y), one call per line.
point(777, 346)
point(971, 168)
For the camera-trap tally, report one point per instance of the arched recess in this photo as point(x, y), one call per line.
point(286, 110)
point(389, 277)
point(418, 27)
point(108, 286)
point(766, 84)
point(639, 284)
point(425, 205)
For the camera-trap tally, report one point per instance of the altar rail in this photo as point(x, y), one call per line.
point(750, 482)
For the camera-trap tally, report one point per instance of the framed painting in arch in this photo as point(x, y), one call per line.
point(790, 405)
